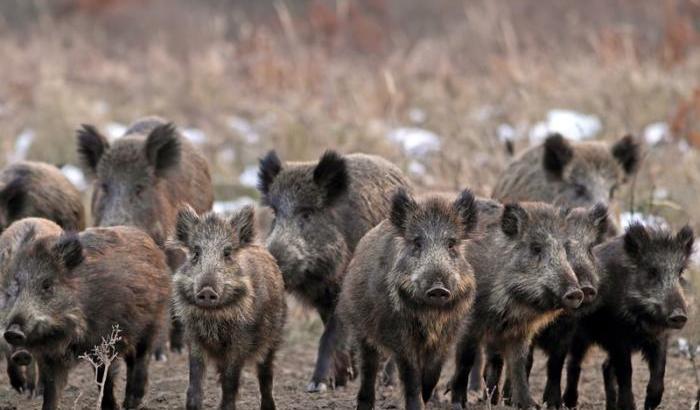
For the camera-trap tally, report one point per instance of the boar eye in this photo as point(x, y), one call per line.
point(536, 248)
point(580, 190)
point(418, 243)
point(196, 253)
point(105, 187)
point(138, 189)
point(305, 213)
point(46, 285)
point(227, 252)
point(451, 244)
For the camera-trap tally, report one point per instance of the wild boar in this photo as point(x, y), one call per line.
point(21, 368)
point(322, 209)
point(143, 178)
point(524, 281)
point(407, 290)
point(230, 297)
point(37, 189)
point(72, 290)
point(640, 301)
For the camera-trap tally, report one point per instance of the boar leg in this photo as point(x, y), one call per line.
point(369, 362)
point(411, 378)
point(476, 376)
point(656, 358)
point(53, 377)
point(467, 348)
point(577, 352)
point(326, 348)
point(230, 380)
point(516, 358)
point(555, 366)
point(431, 376)
point(494, 368)
point(17, 375)
point(621, 361)
point(108, 400)
point(177, 335)
point(610, 385)
point(136, 377)
point(265, 376)
point(197, 371)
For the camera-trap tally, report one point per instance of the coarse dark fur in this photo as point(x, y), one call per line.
point(230, 297)
point(568, 173)
point(408, 289)
point(142, 179)
point(73, 288)
point(322, 209)
point(22, 375)
point(640, 301)
point(37, 189)
point(524, 281)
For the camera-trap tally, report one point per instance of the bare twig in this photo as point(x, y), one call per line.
point(102, 356)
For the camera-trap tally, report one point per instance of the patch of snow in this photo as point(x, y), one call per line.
point(415, 141)
point(249, 177)
point(417, 116)
point(569, 123)
point(661, 193)
point(233, 205)
point(115, 130)
point(656, 132)
point(684, 346)
point(417, 168)
point(194, 135)
point(22, 144)
point(75, 175)
point(506, 133)
point(244, 128)
point(627, 218)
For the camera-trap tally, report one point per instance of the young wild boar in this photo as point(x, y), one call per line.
point(640, 300)
point(143, 178)
point(230, 297)
point(322, 209)
point(36, 189)
point(21, 368)
point(407, 290)
point(567, 173)
point(524, 281)
point(73, 288)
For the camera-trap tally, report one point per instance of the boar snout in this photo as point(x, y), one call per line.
point(21, 358)
point(677, 319)
point(14, 335)
point(589, 292)
point(438, 293)
point(573, 298)
point(207, 296)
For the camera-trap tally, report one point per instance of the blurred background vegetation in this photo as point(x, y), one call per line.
point(434, 86)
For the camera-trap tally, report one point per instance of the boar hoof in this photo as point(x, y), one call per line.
point(314, 387)
point(363, 405)
point(457, 406)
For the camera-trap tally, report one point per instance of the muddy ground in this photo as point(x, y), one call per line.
point(168, 382)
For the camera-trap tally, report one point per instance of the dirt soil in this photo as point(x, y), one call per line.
point(168, 382)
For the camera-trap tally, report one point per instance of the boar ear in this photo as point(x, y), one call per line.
point(402, 205)
point(636, 238)
point(13, 196)
point(557, 153)
point(331, 174)
point(270, 166)
point(685, 238)
point(162, 148)
point(598, 216)
point(626, 152)
point(187, 218)
point(243, 222)
point(91, 146)
point(69, 250)
point(466, 207)
point(513, 219)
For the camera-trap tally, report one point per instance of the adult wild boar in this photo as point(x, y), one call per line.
point(322, 209)
point(524, 281)
point(37, 189)
point(230, 297)
point(640, 301)
point(21, 369)
point(73, 288)
point(143, 178)
point(407, 290)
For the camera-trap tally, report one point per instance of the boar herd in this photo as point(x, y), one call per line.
point(400, 279)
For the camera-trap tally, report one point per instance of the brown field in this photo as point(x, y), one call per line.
point(307, 75)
